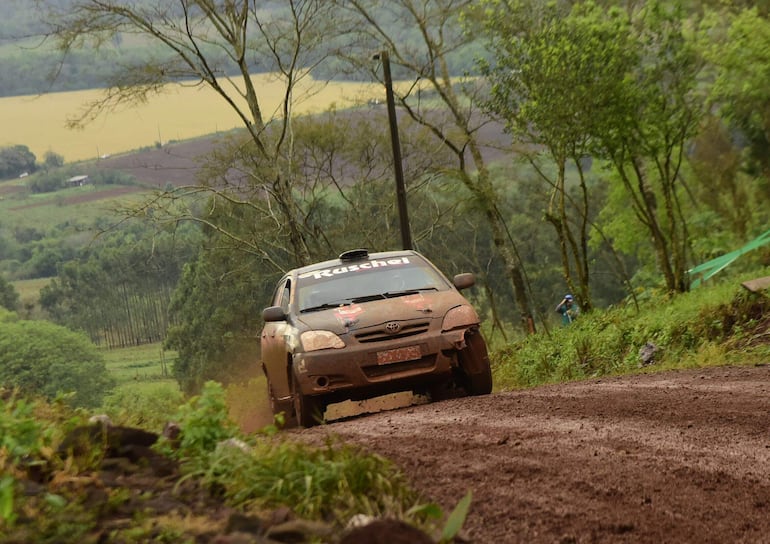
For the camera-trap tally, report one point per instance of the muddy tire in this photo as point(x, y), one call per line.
point(476, 372)
point(284, 407)
point(308, 411)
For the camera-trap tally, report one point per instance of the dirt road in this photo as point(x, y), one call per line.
point(671, 457)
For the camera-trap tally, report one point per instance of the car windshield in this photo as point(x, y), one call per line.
point(366, 281)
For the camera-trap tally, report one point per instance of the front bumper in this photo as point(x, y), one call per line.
point(365, 370)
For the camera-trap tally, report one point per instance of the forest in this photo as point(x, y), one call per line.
point(598, 149)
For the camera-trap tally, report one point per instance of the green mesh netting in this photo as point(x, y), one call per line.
point(710, 268)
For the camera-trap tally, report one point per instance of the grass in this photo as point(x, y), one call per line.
point(30, 289)
point(253, 474)
point(43, 211)
point(138, 364)
point(146, 395)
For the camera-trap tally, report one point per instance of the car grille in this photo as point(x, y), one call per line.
point(381, 334)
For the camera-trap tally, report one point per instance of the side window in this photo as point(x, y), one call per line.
point(285, 296)
point(282, 295)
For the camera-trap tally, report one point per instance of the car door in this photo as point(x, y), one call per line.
point(273, 344)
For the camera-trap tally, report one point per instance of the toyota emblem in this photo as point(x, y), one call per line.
point(392, 327)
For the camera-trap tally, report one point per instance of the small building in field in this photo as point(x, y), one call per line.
point(76, 181)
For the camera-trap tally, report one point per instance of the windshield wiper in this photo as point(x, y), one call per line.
point(368, 298)
point(406, 292)
point(325, 306)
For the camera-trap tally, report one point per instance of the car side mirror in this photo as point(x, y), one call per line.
point(273, 313)
point(464, 280)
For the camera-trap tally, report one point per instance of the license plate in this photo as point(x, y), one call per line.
point(398, 355)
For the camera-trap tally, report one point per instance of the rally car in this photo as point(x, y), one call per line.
point(369, 324)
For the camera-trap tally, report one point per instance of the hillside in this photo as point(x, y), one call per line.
point(176, 163)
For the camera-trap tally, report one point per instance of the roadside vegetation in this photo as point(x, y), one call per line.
point(47, 492)
point(718, 324)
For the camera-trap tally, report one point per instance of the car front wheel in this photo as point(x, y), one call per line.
point(476, 376)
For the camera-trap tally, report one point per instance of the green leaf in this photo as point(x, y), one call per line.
point(7, 485)
point(56, 501)
point(456, 518)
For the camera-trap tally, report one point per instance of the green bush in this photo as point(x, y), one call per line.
point(47, 182)
point(21, 434)
point(40, 358)
point(205, 422)
point(111, 177)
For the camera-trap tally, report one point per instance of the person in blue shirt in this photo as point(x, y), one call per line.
point(568, 309)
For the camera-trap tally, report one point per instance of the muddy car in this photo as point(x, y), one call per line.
point(366, 325)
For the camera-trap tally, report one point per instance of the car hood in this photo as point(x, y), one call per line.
point(430, 305)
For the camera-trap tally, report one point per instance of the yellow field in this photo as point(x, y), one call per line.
point(182, 112)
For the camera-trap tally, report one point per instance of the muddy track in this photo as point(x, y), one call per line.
point(679, 456)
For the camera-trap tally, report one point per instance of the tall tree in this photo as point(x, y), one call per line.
point(645, 133)
point(118, 290)
point(222, 345)
point(738, 45)
point(550, 68)
point(16, 160)
point(420, 48)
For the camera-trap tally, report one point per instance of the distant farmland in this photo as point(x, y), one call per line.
point(184, 112)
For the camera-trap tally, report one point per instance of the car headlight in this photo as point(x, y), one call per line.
point(460, 316)
point(315, 340)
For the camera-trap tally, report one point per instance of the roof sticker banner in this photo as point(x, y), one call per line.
point(331, 272)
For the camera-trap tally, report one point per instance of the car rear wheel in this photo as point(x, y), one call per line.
point(476, 376)
point(307, 410)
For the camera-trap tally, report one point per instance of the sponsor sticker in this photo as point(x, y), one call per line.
point(345, 313)
point(414, 300)
point(369, 265)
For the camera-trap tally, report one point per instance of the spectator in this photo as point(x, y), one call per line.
point(568, 309)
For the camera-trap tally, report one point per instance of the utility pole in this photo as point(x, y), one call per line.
point(406, 234)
